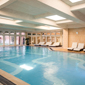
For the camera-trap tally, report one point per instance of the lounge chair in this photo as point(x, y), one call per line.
point(47, 44)
point(39, 44)
point(74, 45)
point(84, 50)
point(55, 44)
point(42, 43)
point(80, 47)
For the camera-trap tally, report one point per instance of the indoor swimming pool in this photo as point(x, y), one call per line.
point(40, 66)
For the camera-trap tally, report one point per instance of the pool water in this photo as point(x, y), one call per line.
point(40, 66)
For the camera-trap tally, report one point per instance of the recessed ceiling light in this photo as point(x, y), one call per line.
point(18, 21)
point(6, 18)
point(55, 17)
point(74, 1)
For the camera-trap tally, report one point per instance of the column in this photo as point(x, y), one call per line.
point(3, 39)
point(41, 38)
point(36, 38)
point(46, 38)
point(14, 38)
point(31, 38)
point(65, 38)
point(55, 36)
point(61, 38)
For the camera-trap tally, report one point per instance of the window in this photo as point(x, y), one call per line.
point(17, 33)
point(6, 40)
point(48, 33)
point(45, 33)
point(6, 32)
point(1, 32)
point(38, 33)
point(18, 40)
point(1, 40)
point(52, 33)
point(58, 33)
point(29, 33)
point(11, 40)
point(44, 39)
point(34, 33)
point(52, 39)
point(22, 40)
point(23, 33)
point(12, 33)
point(48, 39)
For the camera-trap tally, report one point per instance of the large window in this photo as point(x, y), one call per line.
point(6, 40)
point(1, 40)
point(17, 40)
point(11, 40)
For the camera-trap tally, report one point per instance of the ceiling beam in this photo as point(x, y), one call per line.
point(58, 7)
point(42, 15)
point(78, 7)
point(25, 17)
point(15, 27)
point(64, 21)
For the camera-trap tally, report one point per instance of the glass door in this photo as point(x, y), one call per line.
point(17, 40)
point(6, 40)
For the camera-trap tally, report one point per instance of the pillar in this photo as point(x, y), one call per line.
point(65, 38)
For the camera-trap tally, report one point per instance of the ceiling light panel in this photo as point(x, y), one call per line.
point(74, 1)
point(55, 17)
point(18, 21)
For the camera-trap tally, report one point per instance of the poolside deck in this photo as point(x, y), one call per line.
point(12, 78)
point(60, 49)
point(65, 50)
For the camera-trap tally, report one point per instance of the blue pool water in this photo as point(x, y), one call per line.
point(42, 66)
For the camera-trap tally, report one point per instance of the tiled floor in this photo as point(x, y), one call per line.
point(65, 50)
point(12, 78)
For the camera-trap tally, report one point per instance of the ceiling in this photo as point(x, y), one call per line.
point(26, 8)
point(33, 13)
point(82, 11)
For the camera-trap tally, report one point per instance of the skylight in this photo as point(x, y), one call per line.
point(55, 17)
point(18, 21)
point(74, 1)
